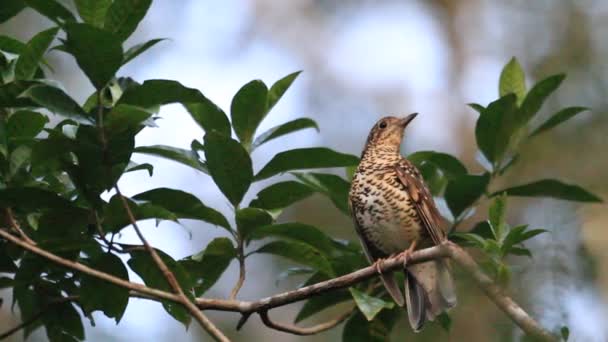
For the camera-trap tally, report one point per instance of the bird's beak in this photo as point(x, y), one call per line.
point(403, 122)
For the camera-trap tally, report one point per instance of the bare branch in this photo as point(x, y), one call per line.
point(293, 329)
point(15, 226)
point(194, 311)
point(241, 259)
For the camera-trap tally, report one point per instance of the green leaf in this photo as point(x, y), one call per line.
point(97, 52)
point(332, 186)
point(10, 44)
point(10, 8)
point(125, 117)
point(18, 158)
point(518, 235)
point(300, 253)
point(320, 302)
point(93, 12)
point(183, 205)
point(305, 158)
point(445, 321)
point(207, 267)
point(551, 188)
point(209, 116)
point(10, 94)
point(30, 198)
point(136, 167)
point(557, 118)
point(495, 126)
point(32, 53)
point(57, 101)
point(359, 329)
point(141, 262)
point(25, 124)
point(52, 10)
point(179, 155)
point(512, 80)
point(283, 129)
point(537, 96)
point(138, 49)
point(449, 165)
point(498, 213)
point(6, 263)
point(94, 293)
point(369, 306)
point(248, 109)
point(63, 323)
point(116, 217)
point(279, 88)
point(248, 220)
point(229, 165)
point(154, 93)
point(124, 16)
point(281, 195)
point(300, 232)
point(5, 283)
point(565, 333)
point(463, 191)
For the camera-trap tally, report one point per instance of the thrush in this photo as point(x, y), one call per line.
point(394, 212)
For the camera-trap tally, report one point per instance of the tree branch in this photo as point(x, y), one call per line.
point(36, 316)
point(241, 259)
point(183, 299)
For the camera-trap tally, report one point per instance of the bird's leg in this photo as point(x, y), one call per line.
point(406, 253)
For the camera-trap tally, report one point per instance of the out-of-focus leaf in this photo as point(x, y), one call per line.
point(63, 323)
point(179, 155)
point(5, 282)
point(206, 267)
point(97, 52)
point(495, 126)
point(512, 80)
point(248, 220)
point(141, 262)
point(565, 333)
point(19, 158)
point(138, 49)
point(497, 214)
point(518, 235)
point(281, 195)
point(445, 321)
point(305, 158)
point(125, 117)
point(57, 101)
point(300, 232)
point(283, 129)
point(25, 124)
point(537, 96)
point(32, 53)
point(94, 293)
point(6, 263)
point(319, 303)
point(558, 118)
point(136, 167)
point(10, 44)
point(209, 116)
point(10, 94)
point(477, 107)
point(279, 88)
point(300, 253)
point(117, 218)
point(229, 165)
point(463, 191)
point(93, 12)
point(52, 10)
point(448, 164)
point(10, 8)
point(249, 107)
point(124, 15)
point(32, 198)
point(551, 188)
point(332, 186)
point(369, 306)
point(183, 205)
point(359, 329)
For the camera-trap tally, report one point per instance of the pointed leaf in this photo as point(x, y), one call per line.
point(138, 49)
point(512, 80)
point(183, 205)
point(283, 129)
point(558, 118)
point(248, 220)
point(57, 101)
point(32, 53)
point(116, 217)
point(179, 155)
point(10, 94)
point(25, 124)
point(52, 10)
point(125, 117)
point(281, 195)
point(300, 253)
point(124, 15)
point(495, 127)
point(10, 44)
point(449, 165)
point(463, 191)
point(229, 165)
point(206, 267)
point(477, 107)
point(369, 306)
point(94, 293)
point(537, 96)
point(93, 12)
point(154, 93)
point(295, 231)
point(132, 167)
point(279, 88)
point(248, 109)
point(97, 52)
point(305, 158)
point(551, 188)
point(209, 116)
point(332, 186)
point(498, 213)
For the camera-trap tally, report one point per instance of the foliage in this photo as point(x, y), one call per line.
point(53, 175)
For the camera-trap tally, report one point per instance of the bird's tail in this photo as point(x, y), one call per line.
point(429, 291)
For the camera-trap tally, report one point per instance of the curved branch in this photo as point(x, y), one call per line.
point(293, 329)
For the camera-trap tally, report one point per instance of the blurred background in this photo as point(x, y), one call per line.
point(363, 60)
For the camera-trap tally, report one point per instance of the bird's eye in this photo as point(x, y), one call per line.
point(382, 124)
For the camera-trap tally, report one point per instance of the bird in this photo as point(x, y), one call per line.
point(394, 213)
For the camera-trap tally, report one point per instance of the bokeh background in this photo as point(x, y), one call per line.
point(363, 60)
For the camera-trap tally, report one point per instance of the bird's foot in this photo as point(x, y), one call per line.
point(378, 265)
point(407, 253)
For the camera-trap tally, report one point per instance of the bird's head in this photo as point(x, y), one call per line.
point(387, 133)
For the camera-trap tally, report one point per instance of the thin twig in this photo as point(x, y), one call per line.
point(15, 226)
point(293, 329)
point(241, 258)
point(194, 311)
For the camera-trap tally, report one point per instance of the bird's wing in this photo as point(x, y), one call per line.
point(421, 198)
